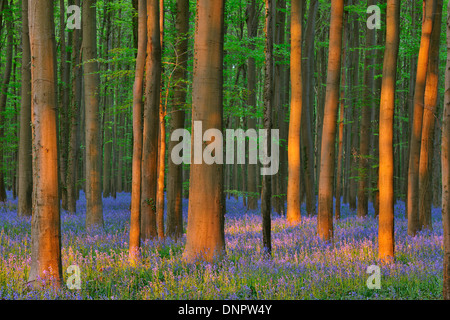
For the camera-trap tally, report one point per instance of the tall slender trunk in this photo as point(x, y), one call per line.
point(175, 173)
point(364, 143)
point(151, 121)
point(353, 185)
point(64, 99)
point(429, 8)
point(45, 225)
point(430, 105)
point(252, 30)
point(3, 97)
point(162, 140)
point(25, 167)
point(108, 101)
point(266, 194)
point(445, 159)
point(135, 219)
point(341, 123)
point(375, 121)
point(205, 238)
point(279, 111)
point(294, 157)
point(411, 87)
point(75, 105)
point(308, 107)
point(94, 210)
point(325, 208)
point(386, 171)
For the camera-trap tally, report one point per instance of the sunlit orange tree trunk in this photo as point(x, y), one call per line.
point(295, 119)
point(325, 206)
point(429, 7)
point(135, 222)
point(45, 225)
point(162, 140)
point(386, 170)
point(94, 210)
point(430, 104)
point(205, 237)
point(151, 123)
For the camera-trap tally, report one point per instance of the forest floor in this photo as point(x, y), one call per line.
point(302, 266)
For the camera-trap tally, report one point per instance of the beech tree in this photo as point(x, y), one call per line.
point(266, 191)
point(294, 157)
point(430, 105)
point(94, 210)
point(429, 8)
point(307, 108)
point(151, 123)
point(73, 119)
point(45, 225)
point(445, 157)
point(25, 162)
point(175, 177)
point(386, 242)
point(252, 30)
point(161, 140)
point(205, 238)
point(364, 143)
point(4, 86)
point(325, 205)
point(135, 223)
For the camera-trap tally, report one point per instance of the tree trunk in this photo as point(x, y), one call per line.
point(430, 105)
point(294, 157)
point(278, 183)
point(175, 173)
point(75, 105)
point(353, 185)
point(252, 30)
point(151, 121)
point(341, 123)
point(64, 99)
point(386, 170)
point(445, 159)
point(25, 167)
point(429, 7)
point(325, 207)
point(3, 97)
point(135, 220)
point(108, 97)
point(205, 237)
point(308, 107)
point(94, 210)
point(412, 81)
point(364, 143)
point(45, 225)
point(266, 195)
point(162, 142)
